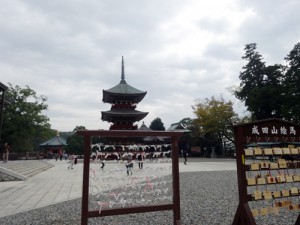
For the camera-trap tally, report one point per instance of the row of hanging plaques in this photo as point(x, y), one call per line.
point(274, 208)
point(270, 179)
point(271, 151)
point(285, 192)
point(274, 200)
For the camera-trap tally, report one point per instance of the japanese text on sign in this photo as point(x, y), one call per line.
point(282, 130)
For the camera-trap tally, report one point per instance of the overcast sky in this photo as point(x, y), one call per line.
point(178, 51)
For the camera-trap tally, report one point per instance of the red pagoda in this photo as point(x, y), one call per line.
point(124, 99)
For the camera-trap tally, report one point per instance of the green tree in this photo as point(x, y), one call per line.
point(252, 74)
point(214, 118)
point(271, 94)
point(196, 133)
point(260, 86)
point(24, 125)
point(157, 124)
point(291, 84)
point(75, 142)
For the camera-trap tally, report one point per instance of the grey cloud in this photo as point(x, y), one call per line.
point(273, 25)
point(215, 25)
point(71, 50)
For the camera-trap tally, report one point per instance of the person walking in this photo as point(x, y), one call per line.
point(6, 149)
point(102, 164)
point(71, 161)
point(185, 156)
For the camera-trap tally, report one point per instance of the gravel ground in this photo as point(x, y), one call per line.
point(207, 198)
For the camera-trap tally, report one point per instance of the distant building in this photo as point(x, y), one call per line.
point(3, 103)
point(152, 139)
point(54, 145)
point(123, 99)
point(184, 141)
point(178, 127)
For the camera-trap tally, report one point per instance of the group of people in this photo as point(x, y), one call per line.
point(60, 156)
point(129, 164)
point(73, 159)
point(140, 158)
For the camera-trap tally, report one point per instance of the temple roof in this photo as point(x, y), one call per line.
point(153, 139)
point(144, 127)
point(123, 91)
point(3, 101)
point(134, 115)
point(3, 87)
point(56, 141)
point(177, 127)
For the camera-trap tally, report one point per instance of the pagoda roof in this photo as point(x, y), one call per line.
point(56, 141)
point(123, 90)
point(133, 114)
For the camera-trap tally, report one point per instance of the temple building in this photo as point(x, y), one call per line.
point(153, 139)
point(123, 99)
point(54, 145)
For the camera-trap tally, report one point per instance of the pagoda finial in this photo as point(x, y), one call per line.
point(123, 73)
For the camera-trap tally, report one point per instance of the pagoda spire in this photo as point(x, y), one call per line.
point(123, 73)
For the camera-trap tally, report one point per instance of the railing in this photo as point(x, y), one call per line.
point(123, 127)
point(26, 156)
point(123, 106)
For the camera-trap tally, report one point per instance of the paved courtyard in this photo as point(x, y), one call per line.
point(59, 183)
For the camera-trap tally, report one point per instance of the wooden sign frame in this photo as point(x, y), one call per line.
point(175, 205)
point(268, 130)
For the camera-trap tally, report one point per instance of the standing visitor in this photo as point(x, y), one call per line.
point(6, 150)
point(140, 159)
point(75, 160)
point(185, 156)
point(71, 161)
point(129, 166)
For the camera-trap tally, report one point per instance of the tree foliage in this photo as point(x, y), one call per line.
point(291, 85)
point(214, 118)
point(24, 125)
point(260, 86)
point(271, 91)
point(75, 142)
point(157, 124)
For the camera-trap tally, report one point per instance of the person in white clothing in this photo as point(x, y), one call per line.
point(71, 161)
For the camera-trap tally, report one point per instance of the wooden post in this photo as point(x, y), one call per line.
point(175, 206)
point(243, 215)
point(3, 88)
point(85, 183)
point(267, 129)
point(175, 173)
